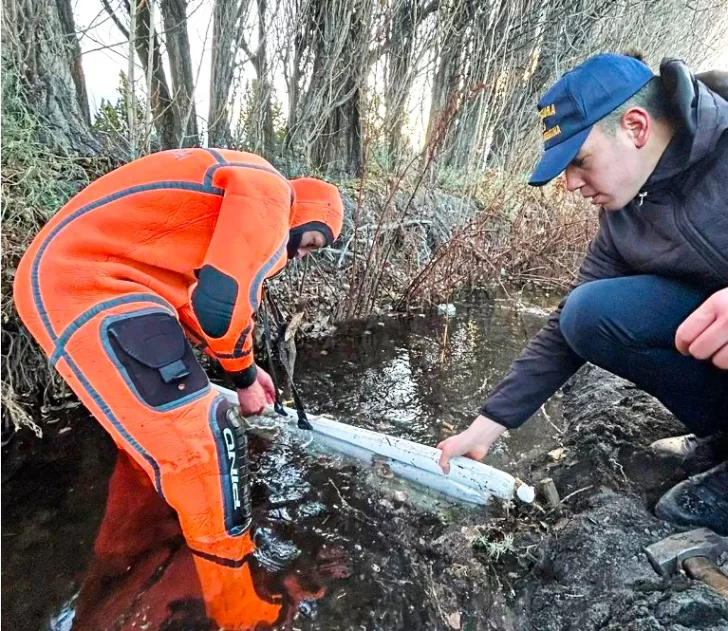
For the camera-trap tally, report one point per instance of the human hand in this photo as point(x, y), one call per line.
point(704, 333)
point(264, 379)
point(254, 398)
point(473, 443)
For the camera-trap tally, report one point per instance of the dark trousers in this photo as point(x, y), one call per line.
point(627, 326)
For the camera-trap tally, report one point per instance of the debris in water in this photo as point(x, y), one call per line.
point(526, 493)
point(548, 491)
point(557, 454)
point(446, 309)
point(454, 620)
point(382, 468)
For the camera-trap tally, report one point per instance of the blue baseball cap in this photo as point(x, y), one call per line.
point(581, 98)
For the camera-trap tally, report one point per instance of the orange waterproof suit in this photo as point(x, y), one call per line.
point(186, 238)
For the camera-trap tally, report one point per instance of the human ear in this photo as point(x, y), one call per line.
point(637, 124)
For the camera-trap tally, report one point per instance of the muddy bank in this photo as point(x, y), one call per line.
point(582, 565)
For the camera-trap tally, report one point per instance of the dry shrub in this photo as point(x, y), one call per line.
point(36, 181)
point(521, 235)
point(413, 255)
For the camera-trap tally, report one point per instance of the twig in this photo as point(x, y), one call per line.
point(548, 418)
point(357, 513)
point(570, 495)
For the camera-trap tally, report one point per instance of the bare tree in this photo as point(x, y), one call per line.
point(453, 19)
point(496, 59)
point(68, 26)
point(405, 46)
point(260, 122)
point(328, 122)
point(227, 33)
point(177, 40)
point(301, 23)
point(146, 43)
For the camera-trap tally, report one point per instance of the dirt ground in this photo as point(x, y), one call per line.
point(582, 565)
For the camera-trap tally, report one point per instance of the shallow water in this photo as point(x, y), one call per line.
point(424, 378)
point(331, 547)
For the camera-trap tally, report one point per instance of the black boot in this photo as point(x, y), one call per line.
point(699, 501)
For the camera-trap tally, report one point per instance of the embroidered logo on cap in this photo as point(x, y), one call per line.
point(549, 110)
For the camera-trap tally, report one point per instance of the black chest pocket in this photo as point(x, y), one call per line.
point(156, 360)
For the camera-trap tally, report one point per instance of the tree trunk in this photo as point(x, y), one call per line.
point(73, 48)
point(165, 119)
point(302, 34)
point(261, 136)
point(401, 54)
point(445, 90)
point(174, 13)
point(36, 47)
point(227, 31)
point(330, 119)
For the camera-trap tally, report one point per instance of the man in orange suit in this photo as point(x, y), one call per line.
point(172, 243)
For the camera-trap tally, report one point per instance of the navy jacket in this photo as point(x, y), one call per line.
point(677, 228)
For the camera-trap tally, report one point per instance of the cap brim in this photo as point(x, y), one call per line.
point(557, 158)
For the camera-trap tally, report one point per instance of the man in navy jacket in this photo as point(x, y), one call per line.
point(651, 303)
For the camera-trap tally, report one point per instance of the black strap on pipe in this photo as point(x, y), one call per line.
point(269, 303)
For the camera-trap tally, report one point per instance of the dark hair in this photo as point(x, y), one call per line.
point(636, 53)
point(651, 97)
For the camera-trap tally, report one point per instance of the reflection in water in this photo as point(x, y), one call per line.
point(400, 402)
point(142, 575)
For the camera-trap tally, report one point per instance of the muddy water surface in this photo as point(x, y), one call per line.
point(333, 551)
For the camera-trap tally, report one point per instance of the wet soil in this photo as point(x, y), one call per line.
point(372, 557)
point(582, 565)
